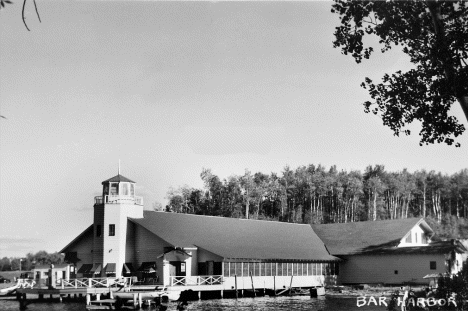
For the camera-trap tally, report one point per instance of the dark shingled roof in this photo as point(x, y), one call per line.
point(233, 238)
point(366, 236)
point(117, 178)
point(437, 247)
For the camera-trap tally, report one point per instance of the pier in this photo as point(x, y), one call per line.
point(102, 293)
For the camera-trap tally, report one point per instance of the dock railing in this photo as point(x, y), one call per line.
point(195, 280)
point(95, 282)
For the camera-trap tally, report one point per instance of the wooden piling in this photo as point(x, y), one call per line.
point(88, 299)
point(274, 285)
point(140, 302)
point(290, 286)
point(235, 282)
point(253, 287)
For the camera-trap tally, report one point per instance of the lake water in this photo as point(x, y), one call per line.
point(294, 303)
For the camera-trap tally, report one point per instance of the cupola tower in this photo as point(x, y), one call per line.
point(111, 212)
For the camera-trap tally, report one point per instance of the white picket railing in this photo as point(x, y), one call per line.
point(95, 282)
point(26, 283)
point(195, 280)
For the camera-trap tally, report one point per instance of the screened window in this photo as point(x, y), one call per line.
point(111, 230)
point(408, 238)
point(124, 189)
point(132, 189)
point(424, 239)
point(256, 271)
point(273, 268)
point(245, 269)
point(232, 268)
point(239, 268)
point(114, 188)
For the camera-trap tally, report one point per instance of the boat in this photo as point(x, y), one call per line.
point(158, 292)
point(20, 284)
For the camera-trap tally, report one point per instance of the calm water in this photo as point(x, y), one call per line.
point(293, 303)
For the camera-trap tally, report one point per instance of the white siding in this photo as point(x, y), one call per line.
point(381, 268)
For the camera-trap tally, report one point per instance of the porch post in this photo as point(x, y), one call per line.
point(166, 276)
point(188, 266)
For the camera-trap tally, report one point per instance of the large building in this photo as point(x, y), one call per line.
point(390, 251)
point(184, 249)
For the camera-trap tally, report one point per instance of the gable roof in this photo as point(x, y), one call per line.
point(233, 238)
point(118, 178)
point(88, 230)
point(366, 236)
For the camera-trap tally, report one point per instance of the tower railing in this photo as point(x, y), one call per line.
point(118, 199)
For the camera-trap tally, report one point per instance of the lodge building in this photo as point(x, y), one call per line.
point(193, 250)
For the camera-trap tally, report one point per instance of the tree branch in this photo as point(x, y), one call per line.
point(37, 12)
point(22, 14)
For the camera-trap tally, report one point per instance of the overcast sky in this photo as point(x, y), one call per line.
point(169, 88)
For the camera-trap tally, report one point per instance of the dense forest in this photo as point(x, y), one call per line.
point(315, 194)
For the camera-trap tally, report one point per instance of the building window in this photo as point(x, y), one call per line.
point(124, 189)
point(424, 239)
point(433, 265)
point(114, 189)
point(408, 238)
point(396, 271)
point(111, 230)
point(98, 231)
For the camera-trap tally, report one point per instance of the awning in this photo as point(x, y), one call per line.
point(109, 268)
point(96, 269)
point(85, 268)
point(148, 267)
point(128, 268)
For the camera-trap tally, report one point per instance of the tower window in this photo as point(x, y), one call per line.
point(111, 230)
point(124, 189)
point(98, 231)
point(114, 188)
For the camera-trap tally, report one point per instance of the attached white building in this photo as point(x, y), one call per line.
point(390, 251)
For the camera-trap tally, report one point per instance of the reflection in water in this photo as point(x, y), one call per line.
point(294, 303)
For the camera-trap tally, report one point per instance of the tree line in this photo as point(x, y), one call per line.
point(30, 260)
point(315, 194)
